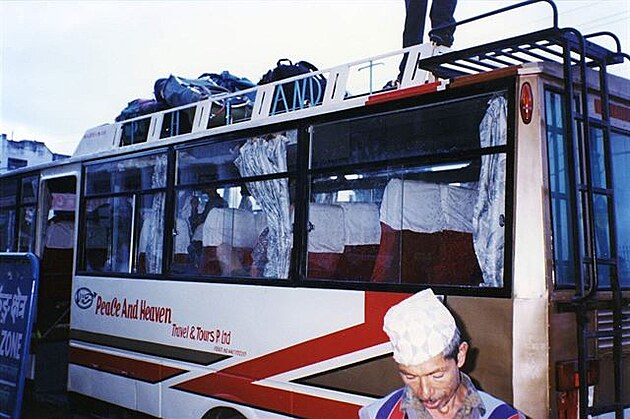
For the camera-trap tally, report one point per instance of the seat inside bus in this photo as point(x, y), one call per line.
point(426, 234)
point(361, 241)
point(325, 240)
point(229, 235)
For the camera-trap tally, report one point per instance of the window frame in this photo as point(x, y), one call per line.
point(18, 206)
point(615, 211)
point(136, 196)
point(229, 182)
point(599, 185)
point(506, 85)
point(301, 178)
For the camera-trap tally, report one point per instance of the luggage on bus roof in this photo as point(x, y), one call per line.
point(174, 91)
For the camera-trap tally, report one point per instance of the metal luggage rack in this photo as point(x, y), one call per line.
point(555, 44)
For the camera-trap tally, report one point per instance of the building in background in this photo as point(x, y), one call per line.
point(16, 154)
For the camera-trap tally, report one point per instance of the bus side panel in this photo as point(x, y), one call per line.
point(531, 360)
point(487, 324)
point(531, 271)
point(283, 350)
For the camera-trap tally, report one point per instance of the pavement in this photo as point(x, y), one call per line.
point(49, 406)
point(60, 406)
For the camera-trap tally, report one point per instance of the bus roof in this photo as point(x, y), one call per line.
point(428, 69)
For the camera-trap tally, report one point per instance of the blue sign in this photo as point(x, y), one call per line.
point(19, 277)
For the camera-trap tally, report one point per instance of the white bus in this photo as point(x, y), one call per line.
point(238, 264)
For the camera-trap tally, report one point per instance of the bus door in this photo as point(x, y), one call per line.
point(56, 249)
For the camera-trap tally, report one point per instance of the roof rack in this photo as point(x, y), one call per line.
point(548, 45)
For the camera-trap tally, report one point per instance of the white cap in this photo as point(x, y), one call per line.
point(419, 328)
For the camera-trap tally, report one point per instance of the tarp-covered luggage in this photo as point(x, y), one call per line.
point(139, 107)
point(298, 94)
point(178, 91)
point(232, 83)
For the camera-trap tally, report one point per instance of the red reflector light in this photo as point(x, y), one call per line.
point(526, 103)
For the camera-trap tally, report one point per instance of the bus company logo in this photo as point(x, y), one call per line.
point(84, 298)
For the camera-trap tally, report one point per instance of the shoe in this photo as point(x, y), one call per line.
point(444, 40)
point(392, 85)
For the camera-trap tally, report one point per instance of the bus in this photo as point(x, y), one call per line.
point(210, 261)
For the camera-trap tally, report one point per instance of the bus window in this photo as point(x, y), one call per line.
point(8, 201)
point(233, 214)
point(558, 149)
point(440, 222)
point(559, 188)
point(125, 201)
point(620, 145)
point(109, 234)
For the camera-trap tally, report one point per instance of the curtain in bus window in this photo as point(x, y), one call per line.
point(153, 222)
point(264, 156)
point(26, 236)
point(488, 216)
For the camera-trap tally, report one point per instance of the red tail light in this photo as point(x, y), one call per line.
point(526, 103)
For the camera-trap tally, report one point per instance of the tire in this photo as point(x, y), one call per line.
point(223, 413)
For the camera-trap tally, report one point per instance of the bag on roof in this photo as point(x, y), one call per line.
point(235, 108)
point(177, 91)
point(232, 83)
point(139, 107)
point(299, 93)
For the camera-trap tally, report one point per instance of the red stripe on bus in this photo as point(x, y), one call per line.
point(616, 111)
point(237, 383)
point(131, 368)
point(403, 93)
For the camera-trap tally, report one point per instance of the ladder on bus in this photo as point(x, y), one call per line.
point(575, 53)
point(597, 258)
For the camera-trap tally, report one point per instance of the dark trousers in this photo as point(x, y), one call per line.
point(441, 14)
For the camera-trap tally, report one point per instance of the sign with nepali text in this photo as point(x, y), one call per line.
point(19, 276)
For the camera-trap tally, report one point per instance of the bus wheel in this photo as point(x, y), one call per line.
point(223, 413)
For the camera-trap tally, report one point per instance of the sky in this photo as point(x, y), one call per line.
point(67, 66)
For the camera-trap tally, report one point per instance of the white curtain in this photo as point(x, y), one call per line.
point(264, 156)
point(489, 212)
point(154, 241)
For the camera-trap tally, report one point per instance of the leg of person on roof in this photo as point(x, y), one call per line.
point(415, 15)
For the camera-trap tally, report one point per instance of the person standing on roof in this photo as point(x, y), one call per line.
point(415, 15)
point(429, 351)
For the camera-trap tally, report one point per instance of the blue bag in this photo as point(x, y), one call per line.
point(178, 91)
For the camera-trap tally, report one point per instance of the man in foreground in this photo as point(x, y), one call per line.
point(429, 351)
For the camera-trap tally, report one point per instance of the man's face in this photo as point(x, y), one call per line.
point(436, 382)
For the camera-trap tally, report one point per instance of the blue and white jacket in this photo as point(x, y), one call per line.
point(480, 405)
